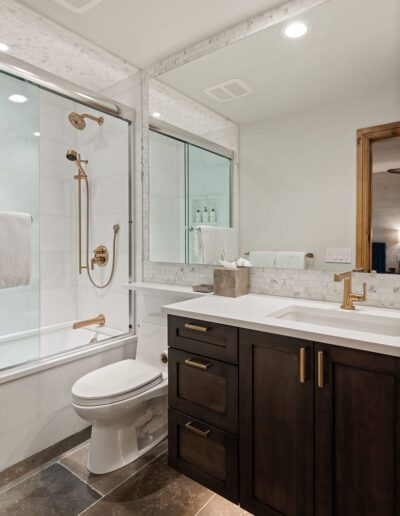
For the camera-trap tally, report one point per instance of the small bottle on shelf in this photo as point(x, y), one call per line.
point(205, 217)
point(198, 216)
point(213, 215)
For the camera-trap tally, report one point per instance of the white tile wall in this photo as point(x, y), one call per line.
point(66, 295)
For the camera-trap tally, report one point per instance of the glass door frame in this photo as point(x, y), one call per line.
point(188, 139)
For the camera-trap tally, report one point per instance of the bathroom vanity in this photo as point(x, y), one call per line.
point(283, 416)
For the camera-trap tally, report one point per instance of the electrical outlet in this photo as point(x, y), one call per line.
point(338, 255)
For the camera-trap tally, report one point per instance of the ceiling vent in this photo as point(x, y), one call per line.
point(78, 6)
point(229, 90)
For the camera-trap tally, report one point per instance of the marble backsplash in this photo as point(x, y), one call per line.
point(383, 290)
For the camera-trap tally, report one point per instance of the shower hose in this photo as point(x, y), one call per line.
point(115, 228)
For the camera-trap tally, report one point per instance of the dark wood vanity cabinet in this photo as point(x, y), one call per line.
point(357, 433)
point(276, 424)
point(203, 403)
point(287, 427)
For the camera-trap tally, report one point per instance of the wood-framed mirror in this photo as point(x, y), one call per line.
point(378, 198)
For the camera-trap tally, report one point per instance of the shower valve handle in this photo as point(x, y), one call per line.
point(100, 257)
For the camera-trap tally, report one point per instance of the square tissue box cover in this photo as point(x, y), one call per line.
point(231, 282)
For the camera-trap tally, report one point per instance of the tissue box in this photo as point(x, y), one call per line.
point(231, 282)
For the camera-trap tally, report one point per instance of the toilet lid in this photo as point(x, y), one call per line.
point(115, 380)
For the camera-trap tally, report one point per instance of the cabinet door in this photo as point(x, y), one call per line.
point(276, 424)
point(357, 433)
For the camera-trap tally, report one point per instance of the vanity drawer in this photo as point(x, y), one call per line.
point(203, 453)
point(204, 388)
point(204, 338)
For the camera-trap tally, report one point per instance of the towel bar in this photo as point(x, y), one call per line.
point(308, 255)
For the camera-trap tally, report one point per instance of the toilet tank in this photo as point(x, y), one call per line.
point(152, 340)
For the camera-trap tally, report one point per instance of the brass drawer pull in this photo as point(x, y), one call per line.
point(320, 379)
point(194, 327)
point(302, 365)
point(199, 365)
point(202, 433)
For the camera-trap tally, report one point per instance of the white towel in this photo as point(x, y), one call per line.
point(290, 260)
point(209, 244)
point(262, 258)
point(230, 245)
point(15, 249)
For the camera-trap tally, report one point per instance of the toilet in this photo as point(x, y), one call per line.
point(126, 402)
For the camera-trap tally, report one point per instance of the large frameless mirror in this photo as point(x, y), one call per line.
point(299, 111)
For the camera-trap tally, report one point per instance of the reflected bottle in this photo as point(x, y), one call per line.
point(213, 215)
point(205, 217)
point(198, 217)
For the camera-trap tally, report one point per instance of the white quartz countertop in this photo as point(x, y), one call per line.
point(254, 312)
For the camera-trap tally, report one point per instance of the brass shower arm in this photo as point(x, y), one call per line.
point(98, 119)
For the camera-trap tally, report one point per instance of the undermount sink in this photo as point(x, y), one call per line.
point(348, 320)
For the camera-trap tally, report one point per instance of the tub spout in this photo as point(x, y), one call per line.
point(100, 320)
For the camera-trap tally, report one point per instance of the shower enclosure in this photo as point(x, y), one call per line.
point(81, 231)
point(190, 185)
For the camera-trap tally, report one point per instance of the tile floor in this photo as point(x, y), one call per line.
point(147, 487)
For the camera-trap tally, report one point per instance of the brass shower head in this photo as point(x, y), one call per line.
point(73, 155)
point(78, 121)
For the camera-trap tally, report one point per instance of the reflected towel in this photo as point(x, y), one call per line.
point(262, 258)
point(15, 249)
point(290, 260)
point(209, 244)
point(230, 245)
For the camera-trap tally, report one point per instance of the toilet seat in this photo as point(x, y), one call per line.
point(115, 382)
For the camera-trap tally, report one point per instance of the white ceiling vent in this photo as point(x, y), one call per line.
point(78, 6)
point(229, 90)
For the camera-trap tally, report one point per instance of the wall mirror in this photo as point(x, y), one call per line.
point(277, 148)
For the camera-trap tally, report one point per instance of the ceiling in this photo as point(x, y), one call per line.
point(353, 47)
point(142, 32)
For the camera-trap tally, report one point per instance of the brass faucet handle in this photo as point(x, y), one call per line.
point(339, 276)
point(360, 297)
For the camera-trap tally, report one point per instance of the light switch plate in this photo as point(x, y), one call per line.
point(338, 255)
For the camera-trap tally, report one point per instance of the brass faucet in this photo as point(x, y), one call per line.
point(348, 296)
point(100, 320)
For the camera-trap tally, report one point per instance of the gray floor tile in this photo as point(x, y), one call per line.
point(156, 490)
point(218, 506)
point(52, 491)
point(76, 462)
point(29, 466)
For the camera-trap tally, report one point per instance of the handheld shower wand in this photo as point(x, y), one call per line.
point(101, 252)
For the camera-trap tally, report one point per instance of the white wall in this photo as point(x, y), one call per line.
point(66, 295)
point(298, 175)
point(167, 199)
point(58, 262)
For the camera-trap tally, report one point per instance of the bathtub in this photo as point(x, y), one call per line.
point(37, 371)
point(30, 351)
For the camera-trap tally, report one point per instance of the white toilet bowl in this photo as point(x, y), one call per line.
point(126, 403)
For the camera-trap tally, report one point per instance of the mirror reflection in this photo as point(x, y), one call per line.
point(309, 117)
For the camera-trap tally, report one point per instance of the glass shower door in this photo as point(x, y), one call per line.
point(19, 195)
point(208, 193)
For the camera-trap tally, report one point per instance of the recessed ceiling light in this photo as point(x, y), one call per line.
point(19, 99)
point(156, 114)
point(295, 30)
point(4, 47)
point(36, 133)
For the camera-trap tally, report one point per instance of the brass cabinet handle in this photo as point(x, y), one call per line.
point(302, 365)
point(199, 365)
point(197, 431)
point(320, 379)
point(194, 327)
